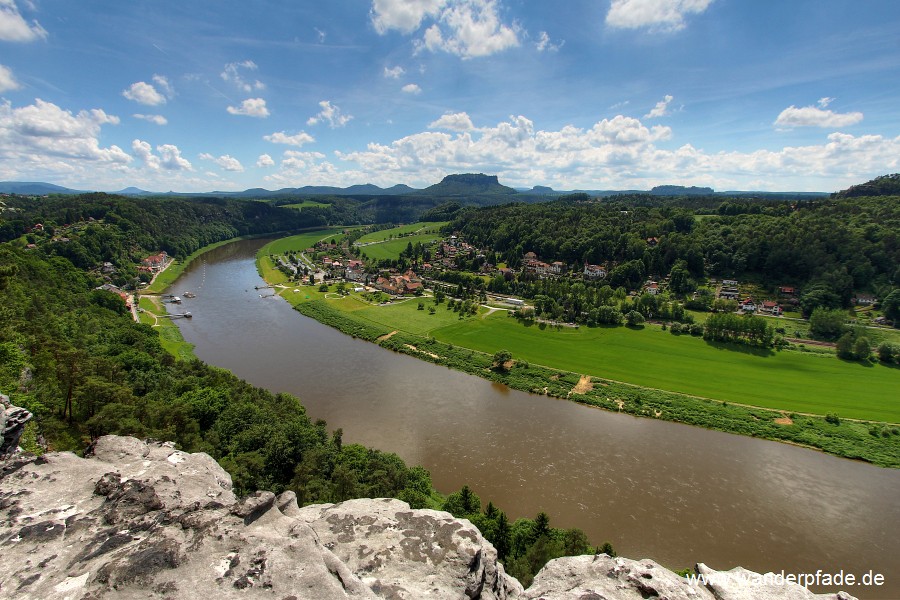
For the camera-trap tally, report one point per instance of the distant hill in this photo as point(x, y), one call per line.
point(680, 190)
point(886, 185)
point(133, 191)
point(34, 188)
point(468, 184)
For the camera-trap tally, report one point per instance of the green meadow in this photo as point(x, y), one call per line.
point(299, 243)
point(385, 234)
point(788, 380)
point(305, 204)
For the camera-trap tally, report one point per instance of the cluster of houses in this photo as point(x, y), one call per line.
point(448, 250)
point(395, 285)
point(729, 291)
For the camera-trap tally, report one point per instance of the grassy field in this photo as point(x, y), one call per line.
point(304, 204)
point(790, 381)
point(299, 243)
point(384, 234)
point(391, 249)
point(169, 334)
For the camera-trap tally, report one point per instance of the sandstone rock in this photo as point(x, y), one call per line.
point(143, 520)
point(601, 577)
point(405, 553)
point(12, 424)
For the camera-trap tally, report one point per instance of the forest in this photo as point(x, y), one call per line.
point(829, 248)
point(71, 354)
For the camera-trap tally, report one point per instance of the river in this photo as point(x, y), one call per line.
point(674, 493)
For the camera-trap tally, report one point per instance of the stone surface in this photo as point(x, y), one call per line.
point(12, 423)
point(143, 520)
point(601, 577)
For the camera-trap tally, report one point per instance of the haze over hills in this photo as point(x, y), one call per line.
point(452, 186)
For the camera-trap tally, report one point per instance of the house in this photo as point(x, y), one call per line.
point(729, 283)
point(748, 305)
point(594, 271)
point(864, 300)
point(156, 262)
point(507, 273)
point(787, 291)
point(728, 293)
point(771, 308)
point(557, 268)
point(652, 288)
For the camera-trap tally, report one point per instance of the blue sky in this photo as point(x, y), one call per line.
point(592, 94)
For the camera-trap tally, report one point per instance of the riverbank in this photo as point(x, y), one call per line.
point(848, 439)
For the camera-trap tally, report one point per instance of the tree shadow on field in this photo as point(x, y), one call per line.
point(742, 348)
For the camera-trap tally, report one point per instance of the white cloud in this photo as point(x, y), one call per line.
point(170, 158)
point(265, 160)
point(144, 93)
point(824, 102)
point(321, 35)
point(13, 27)
point(165, 85)
point(661, 109)
point(657, 15)
point(411, 88)
point(7, 81)
point(252, 107)
point(229, 163)
point(469, 29)
point(144, 151)
point(810, 116)
point(454, 122)
point(297, 139)
point(232, 74)
point(545, 45)
point(403, 15)
point(330, 114)
point(155, 119)
point(394, 72)
point(42, 134)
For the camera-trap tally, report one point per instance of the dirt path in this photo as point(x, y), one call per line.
point(384, 337)
point(583, 386)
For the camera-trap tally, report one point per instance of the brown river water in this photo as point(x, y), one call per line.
point(670, 492)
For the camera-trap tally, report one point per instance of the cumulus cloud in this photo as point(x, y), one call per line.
point(661, 109)
point(251, 107)
point(656, 15)
point(282, 137)
point(454, 122)
point(170, 158)
point(394, 72)
point(330, 114)
point(403, 15)
point(7, 81)
point(265, 160)
point(545, 45)
point(812, 116)
point(619, 152)
point(14, 28)
point(43, 133)
point(227, 162)
point(411, 88)
point(232, 74)
point(155, 119)
point(144, 93)
point(469, 29)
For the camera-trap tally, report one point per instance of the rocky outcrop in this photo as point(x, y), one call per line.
point(601, 577)
point(12, 424)
point(144, 520)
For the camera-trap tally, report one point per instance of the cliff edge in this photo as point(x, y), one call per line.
point(144, 520)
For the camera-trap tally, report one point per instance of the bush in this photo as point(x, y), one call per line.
point(833, 419)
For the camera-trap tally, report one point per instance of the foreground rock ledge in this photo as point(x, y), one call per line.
point(143, 520)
